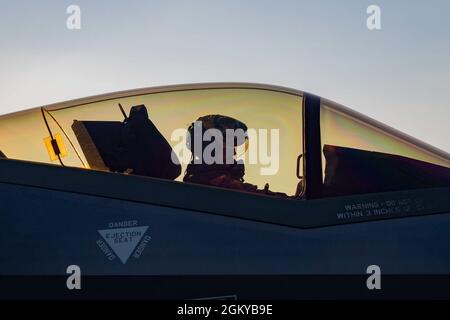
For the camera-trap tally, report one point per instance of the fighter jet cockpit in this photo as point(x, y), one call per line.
point(249, 139)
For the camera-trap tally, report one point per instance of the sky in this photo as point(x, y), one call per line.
point(399, 75)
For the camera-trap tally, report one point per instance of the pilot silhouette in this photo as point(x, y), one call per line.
point(225, 174)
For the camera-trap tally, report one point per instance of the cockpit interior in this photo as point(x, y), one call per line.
point(145, 135)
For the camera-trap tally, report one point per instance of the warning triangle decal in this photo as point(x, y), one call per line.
point(123, 241)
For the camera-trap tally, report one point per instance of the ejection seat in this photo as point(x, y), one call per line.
point(133, 146)
point(2, 155)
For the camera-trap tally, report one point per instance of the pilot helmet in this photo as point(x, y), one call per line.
point(221, 123)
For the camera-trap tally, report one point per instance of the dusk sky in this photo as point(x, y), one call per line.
point(399, 75)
